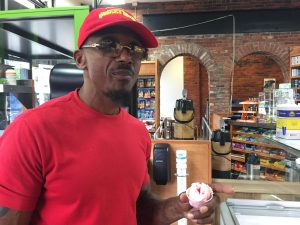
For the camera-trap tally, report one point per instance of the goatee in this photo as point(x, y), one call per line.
point(120, 97)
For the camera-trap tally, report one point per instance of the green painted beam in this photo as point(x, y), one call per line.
point(78, 14)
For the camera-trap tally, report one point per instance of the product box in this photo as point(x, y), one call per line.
point(288, 122)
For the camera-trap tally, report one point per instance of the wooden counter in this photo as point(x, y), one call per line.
point(262, 187)
point(198, 164)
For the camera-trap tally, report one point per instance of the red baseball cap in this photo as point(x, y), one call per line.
point(101, 18)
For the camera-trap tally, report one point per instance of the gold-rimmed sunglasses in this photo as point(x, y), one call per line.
point(113, 49)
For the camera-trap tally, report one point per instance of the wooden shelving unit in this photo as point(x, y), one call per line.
point(259, 153)
point(295, 70)
point(255, 143)
point(148, 94)
point(249, 135)
point(249, 111)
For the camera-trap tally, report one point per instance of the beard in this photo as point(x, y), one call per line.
point(121, 97)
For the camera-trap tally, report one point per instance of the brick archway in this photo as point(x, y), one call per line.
point(279, 53)
point(166, 53)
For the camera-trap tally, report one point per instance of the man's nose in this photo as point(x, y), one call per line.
point(125, 54)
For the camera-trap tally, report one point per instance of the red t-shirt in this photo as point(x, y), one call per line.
point(73, 165)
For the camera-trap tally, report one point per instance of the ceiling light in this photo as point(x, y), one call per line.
point(117, 2)
point(26, 3)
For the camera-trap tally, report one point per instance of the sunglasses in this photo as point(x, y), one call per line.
point(113, 48)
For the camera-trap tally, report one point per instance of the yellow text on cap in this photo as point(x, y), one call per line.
point(116, 11)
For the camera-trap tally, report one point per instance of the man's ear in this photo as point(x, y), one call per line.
point(80, 59)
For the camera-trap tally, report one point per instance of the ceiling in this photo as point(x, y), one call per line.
point(104, 2)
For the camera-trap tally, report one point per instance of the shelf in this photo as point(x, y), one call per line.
point(143, 98)
point(239, 170)
point(269, 178)
point(261, 164)
point(236, 106)
point(243, 111)
point(246, 121)
point(295, 66)
point(257, 125)
point(295, 77)
point(272, 167)
point(259, 153)
point(6, 88)
point(237, 159)
point(262, 177)
point(257, 143)
point(247, 134)
point(248, 103)
point(142, 88)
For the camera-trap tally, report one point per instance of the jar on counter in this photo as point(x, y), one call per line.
point(11, 77)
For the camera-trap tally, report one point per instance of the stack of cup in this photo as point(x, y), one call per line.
point(181, 166)
point(10, 76)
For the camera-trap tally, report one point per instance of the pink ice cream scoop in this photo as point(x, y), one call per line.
point(198, 194)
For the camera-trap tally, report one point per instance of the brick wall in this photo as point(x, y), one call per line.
point(249, 74)
point(215, 52)
point(209, 5)
point(196, 82)
point(192, 83)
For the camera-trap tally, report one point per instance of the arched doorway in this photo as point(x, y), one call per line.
point(184, 72)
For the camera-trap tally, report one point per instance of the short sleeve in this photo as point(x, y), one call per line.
point(20, 167)
point(148, 152)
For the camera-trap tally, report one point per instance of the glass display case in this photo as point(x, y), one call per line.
point(259, 212)
point(266, 108)
point(277, 160)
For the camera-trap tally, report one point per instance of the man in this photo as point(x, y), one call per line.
point(81, 158)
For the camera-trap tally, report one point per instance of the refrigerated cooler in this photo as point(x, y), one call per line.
point(259, 212)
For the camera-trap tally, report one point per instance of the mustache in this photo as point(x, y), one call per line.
point(126, 67)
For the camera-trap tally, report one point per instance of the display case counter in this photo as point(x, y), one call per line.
point(292, 146)
point(277, 157)
point(247, 212)
point(258, 190)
